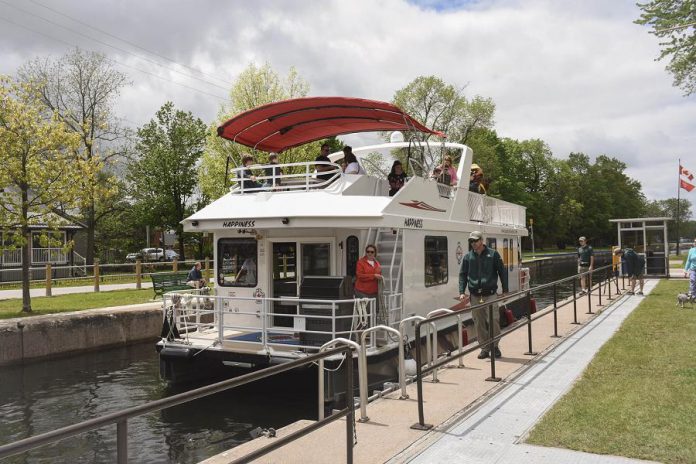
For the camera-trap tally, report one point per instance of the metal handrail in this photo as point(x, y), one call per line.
point(362, 365)
point(421, 371)
point(402, 362)
point(433, 313)
point(121, 418)
point(393, 258)
point(349, 394)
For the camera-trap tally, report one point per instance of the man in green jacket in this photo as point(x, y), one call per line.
point(480, 270)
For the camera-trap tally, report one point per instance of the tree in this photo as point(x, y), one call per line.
point(444, 107)
point(255, 86)
point(37, 171)
point(674, 21)
point(81, 89)
point(163, 179)
point(605, 192)
point(668, 208)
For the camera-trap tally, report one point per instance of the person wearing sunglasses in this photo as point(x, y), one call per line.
point(368, 275)
point(480, 270)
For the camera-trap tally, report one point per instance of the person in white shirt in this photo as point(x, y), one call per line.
point(352, 165)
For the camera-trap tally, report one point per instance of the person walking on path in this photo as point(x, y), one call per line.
point(480, 270)
point(632, 265)
point(690, 269)
point(585, 264)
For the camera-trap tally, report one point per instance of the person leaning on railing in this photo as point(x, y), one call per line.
point(396, 178)
point(480, 270)
point(476, 183)
point(272, 172)
point(249, 180)
point(632, 265)
point(321, 159)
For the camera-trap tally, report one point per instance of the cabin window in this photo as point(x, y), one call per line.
point(316, 259)
point(435, 261)
point(237, 261)
point(352, 254)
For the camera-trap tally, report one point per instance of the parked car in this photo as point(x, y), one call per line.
point(152, 254)
point(133, 257)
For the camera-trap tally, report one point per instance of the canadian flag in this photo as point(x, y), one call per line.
point(686, 184)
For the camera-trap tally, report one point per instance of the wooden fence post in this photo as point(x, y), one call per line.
point(96, 274)
point(48, 279)
point(207, 270)
point(138, 274)
point(175, 265)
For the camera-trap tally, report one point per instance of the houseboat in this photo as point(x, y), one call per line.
point(286, 246)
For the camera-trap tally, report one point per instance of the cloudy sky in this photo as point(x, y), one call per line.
point(577, 74)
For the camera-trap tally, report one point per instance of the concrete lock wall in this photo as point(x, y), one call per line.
point(40, 337)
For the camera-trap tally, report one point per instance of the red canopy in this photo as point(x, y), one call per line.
point(289, 123)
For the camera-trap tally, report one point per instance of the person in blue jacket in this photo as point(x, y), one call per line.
point(690, 269)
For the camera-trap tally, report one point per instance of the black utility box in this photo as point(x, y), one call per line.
point(325, 288)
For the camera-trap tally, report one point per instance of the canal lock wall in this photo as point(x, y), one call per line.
point(41, 337)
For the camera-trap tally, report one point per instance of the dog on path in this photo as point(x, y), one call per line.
point(683, 298)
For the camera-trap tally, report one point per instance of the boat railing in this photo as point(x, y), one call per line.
point(249, 321)
point(375, 167)
point(292, 177)
point(483, 208)
point(395, 308)
point(444, 190)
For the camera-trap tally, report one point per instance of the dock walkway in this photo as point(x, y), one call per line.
point(38, 292)
point(475, 420)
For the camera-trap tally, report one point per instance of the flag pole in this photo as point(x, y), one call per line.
point(678, 201)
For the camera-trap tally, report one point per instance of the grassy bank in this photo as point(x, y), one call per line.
point(636, 398)
point(74, 302)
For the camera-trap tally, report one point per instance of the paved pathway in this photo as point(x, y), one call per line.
point(491, 433)
point(7, 294)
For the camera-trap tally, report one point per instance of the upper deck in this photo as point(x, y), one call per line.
point(295, 195)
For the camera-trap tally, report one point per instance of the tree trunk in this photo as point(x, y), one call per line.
point(26, 252)
point(90, 223)
point(180, 234)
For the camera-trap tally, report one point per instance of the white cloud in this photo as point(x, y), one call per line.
point(579, 75)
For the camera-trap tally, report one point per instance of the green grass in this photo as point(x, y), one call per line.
point(638, 396)
point(74, 302)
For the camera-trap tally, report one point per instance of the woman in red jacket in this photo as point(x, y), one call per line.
point(368, 273)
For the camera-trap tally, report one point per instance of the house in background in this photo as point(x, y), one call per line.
point(65, 263)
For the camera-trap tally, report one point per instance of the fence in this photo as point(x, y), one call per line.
point(606, 274)
point(50, 276)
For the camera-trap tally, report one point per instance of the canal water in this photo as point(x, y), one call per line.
point(43, 396)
